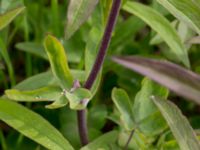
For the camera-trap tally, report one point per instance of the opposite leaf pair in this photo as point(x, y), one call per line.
point(66, 90)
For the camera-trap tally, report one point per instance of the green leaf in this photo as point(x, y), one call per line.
point(123, 104)
point(169, 145)
point(32, 125)
point(58, 103)
point(6, 57)
point(162, 26)
point(146, 114)
point(128, 31)
point(187, 11)
point(182, 81)
point(37, 81)
point(33, 48)
point(50, 93)
point(102, 142)
point(78, 12)
point(7, 17)
point(178, 124)
point(9, 4)
point(137, 142)
point(95, 35)
point(79, 98)
point(58, 61)
point(45, 79)
point(157, 39)
point(97, 116)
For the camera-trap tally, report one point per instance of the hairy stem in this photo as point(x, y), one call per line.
point(81, 115)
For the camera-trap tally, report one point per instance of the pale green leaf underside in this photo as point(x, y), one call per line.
point(187, 11)
point(78, 12)
point(32, 125)
point(162, 26)
point(7, 17)
point(123, 104)
point(178, 124)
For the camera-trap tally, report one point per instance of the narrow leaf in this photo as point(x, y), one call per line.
point(123, 104)
point(162, 26)
point(78, 12)
point(178, 124)
point(7, 17)
point(32, 125)
point(44, 79)
point(58, 61)
point(187, 11)
point(50, 93)
point(182, 81)
point(37, 81)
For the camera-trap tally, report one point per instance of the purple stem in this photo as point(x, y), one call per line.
point(81, 114)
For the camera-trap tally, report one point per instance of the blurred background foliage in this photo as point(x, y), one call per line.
point(23, 41)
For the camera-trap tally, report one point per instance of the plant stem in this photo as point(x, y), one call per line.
point(81, 115)
point(128, 141)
